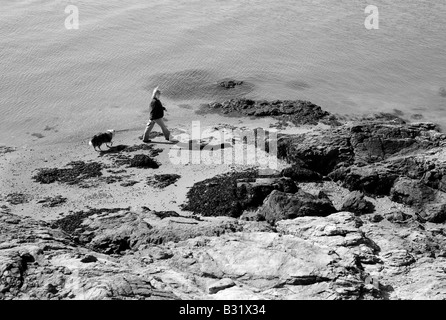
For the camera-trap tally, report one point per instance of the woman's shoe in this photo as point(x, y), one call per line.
point(147, 141)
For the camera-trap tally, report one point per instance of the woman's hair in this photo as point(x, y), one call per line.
point(155, 91)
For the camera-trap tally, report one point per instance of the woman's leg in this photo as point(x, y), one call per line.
point(164, 128)
point(145, 136)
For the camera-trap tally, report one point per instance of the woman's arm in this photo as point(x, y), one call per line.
point(161, 105)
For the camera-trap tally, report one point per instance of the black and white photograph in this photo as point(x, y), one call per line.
point(222, 154)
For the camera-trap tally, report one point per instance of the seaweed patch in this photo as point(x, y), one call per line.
point(218, 196)
point(78, 172)
point(17, 198)
point(162, 180)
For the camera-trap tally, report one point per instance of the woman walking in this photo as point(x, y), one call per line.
point(156, 116)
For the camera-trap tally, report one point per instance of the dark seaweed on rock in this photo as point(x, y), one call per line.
point(138, 160)
point(143, 161)
point(74, 221)
point(298, 111)
point(162, 180)
point(79, 171)
point(218, 196)
point(17, 198)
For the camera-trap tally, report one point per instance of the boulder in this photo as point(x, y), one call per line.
point(89, 258)
point(301, 174)
point(252, 192)
point(356, 203)
point(397, 216)
point(339, 256)
point(435, 212)
point(280, 205)
point(374, 179)
point(411, 192)
point(398, 258)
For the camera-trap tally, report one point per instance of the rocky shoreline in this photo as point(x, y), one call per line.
point(359, 212)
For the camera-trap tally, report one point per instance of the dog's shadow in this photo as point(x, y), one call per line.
point(113, 149)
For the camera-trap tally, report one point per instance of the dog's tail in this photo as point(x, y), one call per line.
point(90, 143)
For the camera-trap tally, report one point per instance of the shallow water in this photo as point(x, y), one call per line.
point(57, 82)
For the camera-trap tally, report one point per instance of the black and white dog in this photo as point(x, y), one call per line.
point(100, 138)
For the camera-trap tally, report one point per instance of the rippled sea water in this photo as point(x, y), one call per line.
point(101, 75)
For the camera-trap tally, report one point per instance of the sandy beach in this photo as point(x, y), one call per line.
point(353, 210)
point(19, 166)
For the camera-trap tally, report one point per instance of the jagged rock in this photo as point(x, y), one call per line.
point(411, 192)
point(397, 216)
point(363, 156)
point(313, 250)
point(89, 258)
point(372, 179)
point(252, 193)
point(435, 212)
point(279, 205)
point(221, 285)
point(115, 232)
point(320, 152)
point(251, 216)
point(376, 218)
point(301, 174)
point(40, 262)
point(332, 257)
point(398, 258)
point(341, 229)
point(356, 203)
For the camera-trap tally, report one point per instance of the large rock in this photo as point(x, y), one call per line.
point(279, 205)
point(397, 216)
point(309, 269)
point(117, 232)
point(300, 173)
point(39, 262)
point(356, 203)
point(320, 152)
point(435, 212)
point(297, 112)
point(252, 192)
point(374, 179)
point(343, 153)
point(338, 256)
point(411, 192)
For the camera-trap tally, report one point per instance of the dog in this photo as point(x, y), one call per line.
point(100, 138)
